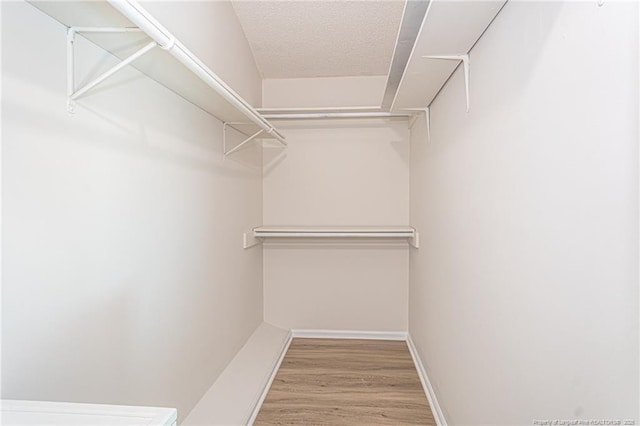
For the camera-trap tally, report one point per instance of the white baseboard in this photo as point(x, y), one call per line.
point(426, 384)
point(350, 334)
point(267, 386)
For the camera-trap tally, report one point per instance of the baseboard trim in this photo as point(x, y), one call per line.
point(350, 334)
point(272, 376)
point(426, 384)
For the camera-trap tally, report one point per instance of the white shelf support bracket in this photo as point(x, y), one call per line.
point(170, 45)
point(412, 121)
point(71, 38)
point(415, 240)
point(224, 137)
point(600, 3)
point(72, 93)
point(270, 133)
point(241, 144)
point(427, 116)
point(465, 63)
point(248, 240)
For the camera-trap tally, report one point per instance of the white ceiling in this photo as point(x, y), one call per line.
point(299, 39)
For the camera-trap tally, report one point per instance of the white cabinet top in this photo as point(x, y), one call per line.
point(66, 413)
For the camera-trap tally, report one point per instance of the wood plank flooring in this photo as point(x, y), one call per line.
point(347, 382)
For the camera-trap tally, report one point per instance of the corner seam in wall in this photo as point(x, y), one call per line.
point(426, 384)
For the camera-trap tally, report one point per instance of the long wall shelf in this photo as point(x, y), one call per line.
point(332, 232)
point(169, 62)
point(427, 70)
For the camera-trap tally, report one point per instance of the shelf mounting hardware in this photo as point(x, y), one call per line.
point(465, 63)
point(427, 116)
point(72, 93)
point(271, 132)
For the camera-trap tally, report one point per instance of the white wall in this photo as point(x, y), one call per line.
point(336, 173)
point(338, 286)
point(124, 279)
point(524, 292)
point(340, 174)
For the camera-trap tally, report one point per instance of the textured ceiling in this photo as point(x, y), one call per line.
point(298, 39)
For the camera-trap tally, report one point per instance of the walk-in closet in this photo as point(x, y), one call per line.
point(320, 212)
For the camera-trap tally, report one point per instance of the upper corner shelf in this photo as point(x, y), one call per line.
point(170, 63)
point(449, 30)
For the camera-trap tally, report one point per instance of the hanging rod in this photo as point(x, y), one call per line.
point(291, 110)
point(333, 232)
point(340, 234)
point(322, 115)
point(348, 232)
point(132, 10)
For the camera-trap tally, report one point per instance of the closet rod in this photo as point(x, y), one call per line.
point(132, 10)
point(297, 110)
point(338, 234)
point(322, 115)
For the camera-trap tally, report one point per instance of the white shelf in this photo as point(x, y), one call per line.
point(170, 64)
point(332, 232)
point(449, 28)
point(318, 110)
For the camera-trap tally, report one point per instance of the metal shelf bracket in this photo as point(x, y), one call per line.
point(268, 134)
point(72, 93)
point(427, 116)
point(465, 63)
point(415, 240)
point(249, 240)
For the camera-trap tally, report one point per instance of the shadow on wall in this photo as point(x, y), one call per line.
point(130, 137)
point(272, 156)
point(275, 154)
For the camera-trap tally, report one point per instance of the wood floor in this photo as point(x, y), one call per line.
point(346, 382)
